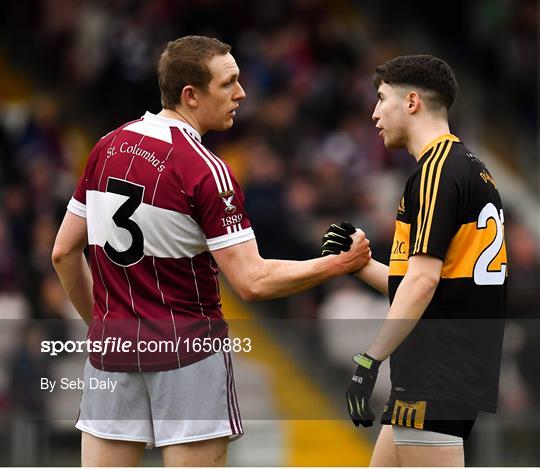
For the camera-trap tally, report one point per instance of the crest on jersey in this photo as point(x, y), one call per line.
point(227, 197)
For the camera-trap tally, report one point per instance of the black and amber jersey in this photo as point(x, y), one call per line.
point(451, 210)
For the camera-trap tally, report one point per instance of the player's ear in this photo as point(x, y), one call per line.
point(413, 102)
point(189, 96)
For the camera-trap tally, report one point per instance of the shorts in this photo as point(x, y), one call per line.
point(432, 415)
point(193, 403)
point(404, 436)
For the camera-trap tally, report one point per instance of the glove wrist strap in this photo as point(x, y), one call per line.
point(364, 360)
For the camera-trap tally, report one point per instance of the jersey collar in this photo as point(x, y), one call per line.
point(434, 142)
point(168, 122)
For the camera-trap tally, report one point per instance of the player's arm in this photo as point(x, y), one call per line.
point(433, 235)
point(71, 266)
point(411, 300)
point(255, 278)
point(337, 239)
point(375, 274)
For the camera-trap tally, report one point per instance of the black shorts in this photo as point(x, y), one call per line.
point(436, 416)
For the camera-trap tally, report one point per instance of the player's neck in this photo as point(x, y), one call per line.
point(424, 133)
point(183, 116)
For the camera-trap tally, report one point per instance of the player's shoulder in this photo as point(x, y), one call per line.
point(198, 158)
point(463, 163)
point(110, 136)
point(157, 129)
point(446, 160)
point(460, 153)
point(191, 145)
point(457, 156)
point(465, 156)
point(457, 160)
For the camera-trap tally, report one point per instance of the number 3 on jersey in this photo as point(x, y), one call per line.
point(121, 218)
point(482, 274)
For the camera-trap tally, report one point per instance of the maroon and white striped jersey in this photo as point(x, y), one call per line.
point(157, 202)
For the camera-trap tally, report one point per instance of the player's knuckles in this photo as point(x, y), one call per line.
point(363, 248)
point(356, 241)
point(358, 237)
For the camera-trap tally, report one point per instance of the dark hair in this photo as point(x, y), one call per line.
point(185, 62)
point(426, 72)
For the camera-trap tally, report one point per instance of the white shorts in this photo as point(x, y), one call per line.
point(193, 403)
point(405, 436)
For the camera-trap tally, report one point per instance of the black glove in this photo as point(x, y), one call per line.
point(359, 391)
point(337, 238)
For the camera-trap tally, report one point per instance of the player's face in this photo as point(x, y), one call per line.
point(390, 115)
point(217, 105)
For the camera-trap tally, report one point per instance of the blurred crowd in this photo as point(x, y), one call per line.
point(303, 147)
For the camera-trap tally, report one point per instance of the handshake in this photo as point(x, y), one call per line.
point(347, 239)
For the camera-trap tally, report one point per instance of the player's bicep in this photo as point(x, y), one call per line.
point(423, 265)
point(239, 263)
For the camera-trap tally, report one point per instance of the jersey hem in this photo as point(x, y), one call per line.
point(433, 252)
point(149, 367)
point(479, 405)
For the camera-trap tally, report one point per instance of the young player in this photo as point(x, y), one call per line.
point(446, 280)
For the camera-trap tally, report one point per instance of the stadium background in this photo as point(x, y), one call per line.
point(307, 154)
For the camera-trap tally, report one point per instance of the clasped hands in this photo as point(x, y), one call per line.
point(346, 238)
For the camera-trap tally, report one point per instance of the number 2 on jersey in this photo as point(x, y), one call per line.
point(121, 218)
point(482, 274)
